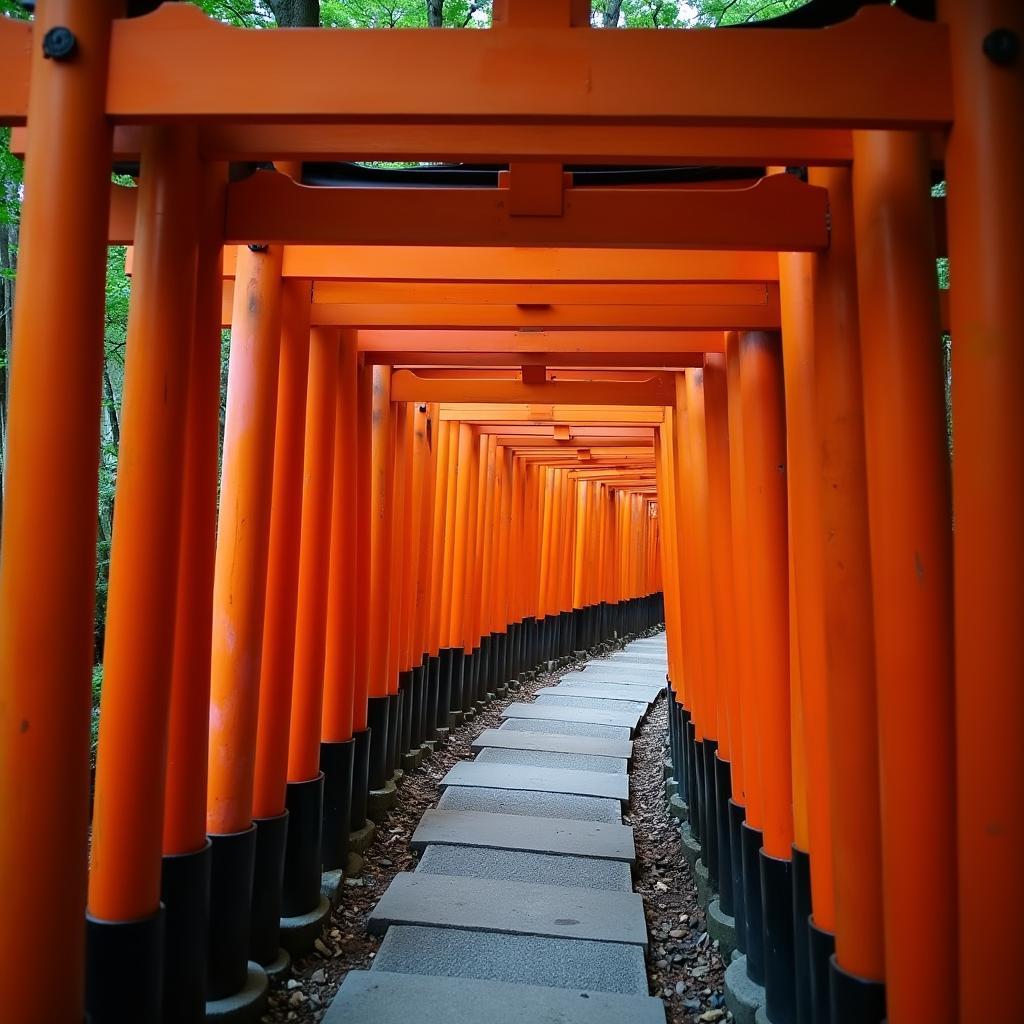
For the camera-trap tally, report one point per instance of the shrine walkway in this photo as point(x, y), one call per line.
point(522, 906)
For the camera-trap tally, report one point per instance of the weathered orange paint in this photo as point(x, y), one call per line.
point(279, 620)
point(127, 827)
point(243, 534)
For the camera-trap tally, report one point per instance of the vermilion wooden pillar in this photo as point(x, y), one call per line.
point(858, 966)
point(377, 498)
point(47, 591)
point(808, 604)
point(302, 905)
point(984, 167)
point(361, 690)
point(278, 655)
point(124, 880)
point(239, 600)
point(269, 811)
point(185, 875)
point(437, 709)
point(467, 451)
point(343, 754)
point(730, 766)
point(764, 452)
point(912, 571)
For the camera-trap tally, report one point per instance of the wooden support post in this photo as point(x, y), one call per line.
point(124, 881)
point(764, 454)
point(239, 601)
point(807, 545)
point(853, 721)
point(277, 661)
point(730, 778)
point(47, 591)
point(912, 571)
point(185, 875)
point(342, 756)
point(984, 165)
point(301, 896)
point(377, 421)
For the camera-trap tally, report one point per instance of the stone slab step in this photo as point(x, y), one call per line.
point(525, 908)
point(575, 700)
point(555, 742)
point(525, 832)
point(541, 805)
point(526, 866)
point(542, 780)
point(526, 959)
point(605, 691)
point(606, 732)
point(616, 676)
point(552, 759)
point(560, 713)
point(381, 997)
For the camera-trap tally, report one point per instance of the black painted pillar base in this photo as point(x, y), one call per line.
point(855, 1000)
point(394, 731)
point(303, 860)
point(751, 842)
point(405, 694)
point(418, 688)
point(124, 969)
point(801, 935)
point(444, 692)
point(304, 909)
point(377, 720)
point(723, 792)
point(683, 778)
point(469, 667)
point(698, 818)
point(737, 815)
point(232, 864)
point(458, 681)
point(433, 683)
point(822, 948)
point(779, 968)
point(272, 835)
point(692, 788)
point(361, 743)
point(185, 894)
point(337, 760)
point(710, 809)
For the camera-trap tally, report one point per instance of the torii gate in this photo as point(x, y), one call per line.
point(871, 774)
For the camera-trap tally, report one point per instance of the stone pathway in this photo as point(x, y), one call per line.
point(521, 908)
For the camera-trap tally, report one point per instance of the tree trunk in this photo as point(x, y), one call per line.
point(612, 12)
point(296, 13)
point(8, 261)
point(115, 426)
point(435, 13)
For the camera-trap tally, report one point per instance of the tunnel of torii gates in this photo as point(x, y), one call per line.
point(671, 355)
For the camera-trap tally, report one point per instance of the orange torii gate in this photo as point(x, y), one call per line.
point(845, 707)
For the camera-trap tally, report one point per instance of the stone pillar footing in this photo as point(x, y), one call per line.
point(381, 801)
point(723, 928)
point(246, 1006)
point(742, 996)
point(704, 890)
point(360, 840)
point(298, 933)
point(690, 846)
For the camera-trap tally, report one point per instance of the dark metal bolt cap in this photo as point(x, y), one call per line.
point(59, 43)
point(1002, 46)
